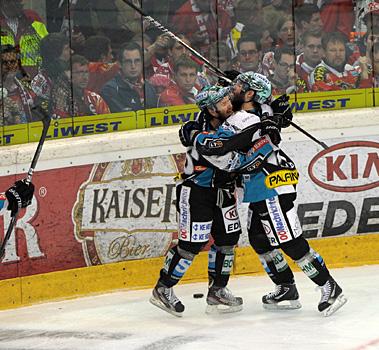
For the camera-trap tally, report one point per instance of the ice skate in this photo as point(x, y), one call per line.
point(331, 298)
point(222, 300)
point(165, 298)
point(285, 297)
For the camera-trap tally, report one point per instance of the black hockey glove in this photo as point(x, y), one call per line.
point(188, 132)
point(230, 74)
point(19, 196)
point(282, 111)
point(270, 128)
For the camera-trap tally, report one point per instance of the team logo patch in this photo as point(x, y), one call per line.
point(281, 178)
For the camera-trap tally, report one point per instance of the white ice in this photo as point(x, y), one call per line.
point(126, 320)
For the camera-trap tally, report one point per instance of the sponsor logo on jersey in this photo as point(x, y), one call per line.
point(201, 231)
point(281, 178)
point(278, 220)
point(260, 143)
point(231, 219)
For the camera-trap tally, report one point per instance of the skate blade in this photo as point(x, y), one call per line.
point(340, 301)
point(284, 305)
point(222, 309)
point(162, 306)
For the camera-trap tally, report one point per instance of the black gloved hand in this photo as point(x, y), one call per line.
point(188, 132)
point(230, 74)
point(282, 111)
point(19, 196)
point(270, 128)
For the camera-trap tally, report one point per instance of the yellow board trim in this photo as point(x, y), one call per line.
point(141, 274)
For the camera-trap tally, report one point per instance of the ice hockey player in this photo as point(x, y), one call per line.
point(271, 192)
point(16, 197)
point(205, 205)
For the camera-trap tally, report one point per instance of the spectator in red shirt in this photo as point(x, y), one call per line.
point(101, 66)
point(334, 73)
point(307, 61)
point(182, 89)
point(202, 23)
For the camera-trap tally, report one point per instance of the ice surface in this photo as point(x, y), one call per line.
point(126, 320)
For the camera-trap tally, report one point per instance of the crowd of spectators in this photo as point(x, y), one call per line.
point(83, 57)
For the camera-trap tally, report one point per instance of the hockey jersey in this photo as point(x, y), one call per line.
point(326, 78)
point(267, 170)
point(212, 161)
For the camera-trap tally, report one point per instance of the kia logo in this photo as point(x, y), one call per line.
point(231, 214)
point(351, 166)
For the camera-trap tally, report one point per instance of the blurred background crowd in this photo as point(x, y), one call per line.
point(86, 57)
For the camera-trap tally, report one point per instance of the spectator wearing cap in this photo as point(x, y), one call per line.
point(24, 30)
point(183, 87)
point(128, 91)
point(101, 66)
point(334, 73)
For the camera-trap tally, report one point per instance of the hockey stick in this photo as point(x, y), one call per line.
point(46, 123)
point(211, 66)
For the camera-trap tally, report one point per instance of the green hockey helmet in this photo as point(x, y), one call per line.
point(211, 95)
point(256, 82)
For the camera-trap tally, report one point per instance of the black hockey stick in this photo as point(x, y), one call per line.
point(211, 66)
point(46, 123)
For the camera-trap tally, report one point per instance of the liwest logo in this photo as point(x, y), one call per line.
point(347, 167)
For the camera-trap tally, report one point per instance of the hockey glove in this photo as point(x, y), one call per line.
point(270, 128)
point(282, 111)
point(19, 196)
point(188, 132)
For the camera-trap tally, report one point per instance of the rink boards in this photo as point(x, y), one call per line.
point(103, 214)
